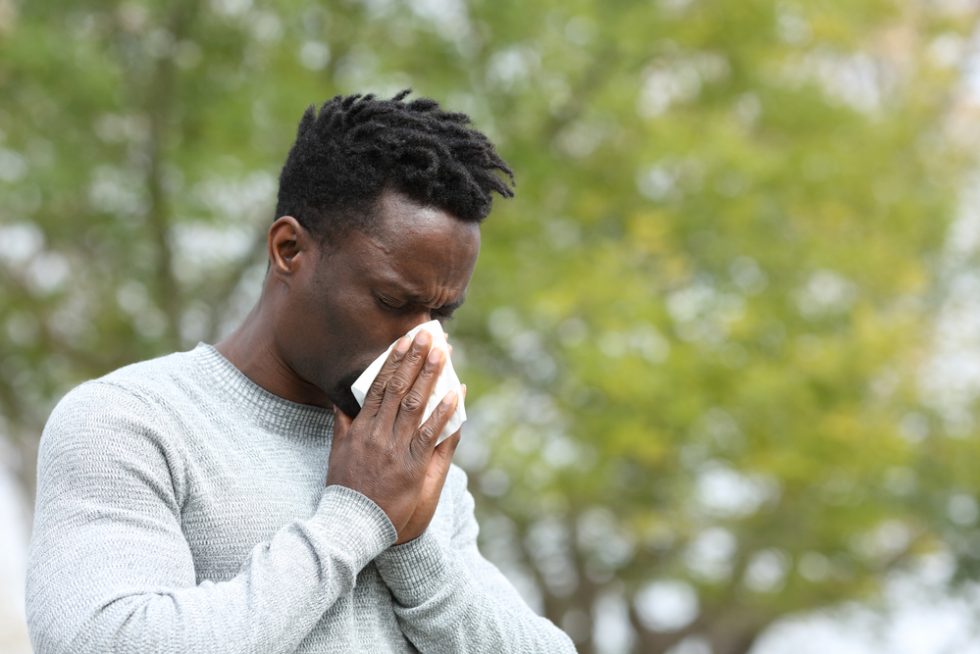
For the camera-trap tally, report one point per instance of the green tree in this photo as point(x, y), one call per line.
point(694, 339)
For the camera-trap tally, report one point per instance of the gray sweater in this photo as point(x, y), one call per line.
point(181, 508)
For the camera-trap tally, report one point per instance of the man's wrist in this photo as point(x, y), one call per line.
point(415, 570)
point(355, 522)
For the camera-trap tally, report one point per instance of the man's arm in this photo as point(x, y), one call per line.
point(454, 600)
point(110, 569)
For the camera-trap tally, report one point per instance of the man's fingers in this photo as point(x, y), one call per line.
point(448, 405)
point(413, 403)
point(442, 456)
point(376, 394)
point(447, 448)
point(403, 378)
point(425, 438)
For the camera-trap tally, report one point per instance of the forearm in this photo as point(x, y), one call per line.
point(96, 590)
point(446, 603)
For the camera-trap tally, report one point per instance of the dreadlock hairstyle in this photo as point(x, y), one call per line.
point(358, 146)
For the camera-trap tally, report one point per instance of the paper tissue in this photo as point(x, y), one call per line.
point(447, 380)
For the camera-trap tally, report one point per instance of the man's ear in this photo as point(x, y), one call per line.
point(287, 242)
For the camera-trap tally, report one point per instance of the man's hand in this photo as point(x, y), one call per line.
point(435, 479)
point(383, 453)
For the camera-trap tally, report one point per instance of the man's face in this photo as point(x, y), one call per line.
point(413, 265)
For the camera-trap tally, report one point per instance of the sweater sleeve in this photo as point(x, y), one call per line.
point(110, 569)
point(454, 600)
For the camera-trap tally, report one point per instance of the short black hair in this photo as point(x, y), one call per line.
point(359, 146)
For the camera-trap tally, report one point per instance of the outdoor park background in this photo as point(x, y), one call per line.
point(722, 348)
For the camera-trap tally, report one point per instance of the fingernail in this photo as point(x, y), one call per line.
point(423, 338)
point(435, 356)
point(450, 399)
point(402, 345)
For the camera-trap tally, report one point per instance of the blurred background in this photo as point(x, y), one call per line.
point(723, 348)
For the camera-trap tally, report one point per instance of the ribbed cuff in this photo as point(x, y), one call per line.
point(414, 571)
point(357, 525)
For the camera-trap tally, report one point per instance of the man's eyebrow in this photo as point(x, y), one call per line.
point(418, 299)
point(448, 306)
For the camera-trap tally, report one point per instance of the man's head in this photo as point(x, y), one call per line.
point(378, 230)
point(357, 146)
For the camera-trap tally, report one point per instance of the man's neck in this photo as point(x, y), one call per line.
point(252, 349)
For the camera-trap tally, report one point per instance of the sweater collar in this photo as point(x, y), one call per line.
point(251, 400)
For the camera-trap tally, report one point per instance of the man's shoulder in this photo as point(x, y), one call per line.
point(148, 374)
point(119, 424)
point(133, 389)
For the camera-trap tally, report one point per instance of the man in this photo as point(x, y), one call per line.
point(236, 498)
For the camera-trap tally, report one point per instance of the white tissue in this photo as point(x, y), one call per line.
point(447, 381)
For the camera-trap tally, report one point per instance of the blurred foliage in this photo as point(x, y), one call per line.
point(694, 341)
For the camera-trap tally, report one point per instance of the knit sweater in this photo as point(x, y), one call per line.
point(182, 508)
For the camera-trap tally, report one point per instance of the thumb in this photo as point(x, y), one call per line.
point(341, 423)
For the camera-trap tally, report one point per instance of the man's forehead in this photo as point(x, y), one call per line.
point(397, 215)
point(417, 285)
point(441, 252)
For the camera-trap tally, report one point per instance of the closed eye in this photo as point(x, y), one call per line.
point(390, 304)
point(443, 313)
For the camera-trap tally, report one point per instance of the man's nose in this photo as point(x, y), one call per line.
point(413, 320)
